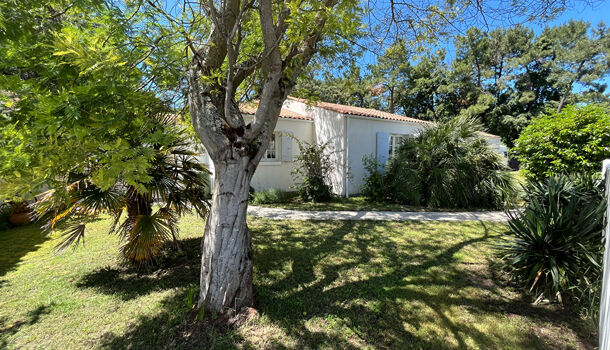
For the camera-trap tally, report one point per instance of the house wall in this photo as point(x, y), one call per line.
point(362, 139)
point(498, 146)
point(277, 174)
point(329, 127)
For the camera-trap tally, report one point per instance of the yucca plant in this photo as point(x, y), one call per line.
point(554, 245)
point(144, 214)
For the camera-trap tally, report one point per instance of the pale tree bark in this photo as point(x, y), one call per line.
point(226, 274)
point(234, 146)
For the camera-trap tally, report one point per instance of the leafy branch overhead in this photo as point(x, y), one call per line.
point(258, 48)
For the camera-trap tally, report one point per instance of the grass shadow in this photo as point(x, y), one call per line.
point(16, 243)
point(32, 317)
point(347, 285)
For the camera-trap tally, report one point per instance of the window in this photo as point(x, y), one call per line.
point(272, 152)
point(395, 141)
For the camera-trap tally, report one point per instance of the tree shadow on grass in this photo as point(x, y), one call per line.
point(367, 281)
point(342, 285)
point(16, 243)
point(32, 317)
point(19, 241)
point(174, 269)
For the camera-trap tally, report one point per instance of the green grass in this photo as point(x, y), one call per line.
point(328, 285)
point(518, 176)
point(352, 204)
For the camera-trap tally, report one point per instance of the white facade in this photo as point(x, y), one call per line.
point(363, 141)
point(350, 137)
point(276, 173)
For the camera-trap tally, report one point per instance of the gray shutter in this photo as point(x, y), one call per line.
point(286, 146)
point(383, 142)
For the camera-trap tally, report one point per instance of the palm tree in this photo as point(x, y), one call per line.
point(450, 165)
point(178, 185)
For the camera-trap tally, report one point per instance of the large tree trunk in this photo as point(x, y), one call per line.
point(226, 266)
point(236, 149)
point(235, 146)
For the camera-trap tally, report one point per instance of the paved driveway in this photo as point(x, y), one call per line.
point(284, 214)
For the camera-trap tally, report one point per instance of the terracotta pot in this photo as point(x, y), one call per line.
point(19, 218)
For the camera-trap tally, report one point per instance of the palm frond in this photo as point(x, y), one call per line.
point(72, 237)
point(144, 236)
point(92, 200)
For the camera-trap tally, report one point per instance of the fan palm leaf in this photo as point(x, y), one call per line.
point(178, 184)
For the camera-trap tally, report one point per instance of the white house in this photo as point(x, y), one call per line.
point(352, 133)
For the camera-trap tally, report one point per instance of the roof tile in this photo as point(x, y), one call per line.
point(251, 107)
point(366, 112)
point(370, 112)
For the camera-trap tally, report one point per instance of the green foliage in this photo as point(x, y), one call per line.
point(449, 165)
point(575, 54)
point(87, 109)
point(575, 140)
point(80, 83)
point(352, 88)
point(272, 196)
point(505, 77)
point(312, 172)
point(374, 186)
point(555, 246)
point(178, 185)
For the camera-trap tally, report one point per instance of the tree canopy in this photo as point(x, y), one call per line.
point(505, 77)
point(80, 83)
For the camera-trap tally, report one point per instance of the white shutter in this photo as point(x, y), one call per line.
point(286, 146)
point(383, 139)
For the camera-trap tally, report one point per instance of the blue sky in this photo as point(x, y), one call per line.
point(596, 12)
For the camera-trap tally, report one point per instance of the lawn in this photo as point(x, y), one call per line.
point(388, 285)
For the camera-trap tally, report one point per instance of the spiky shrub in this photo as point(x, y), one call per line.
point(554, 245)
point(177, 183)
point(449, 165)
point(312, 172)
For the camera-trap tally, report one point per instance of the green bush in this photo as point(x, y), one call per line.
point(554, 245)
point(575, 140)
point(312, 172)
point(374, 186)
point(449, 165)
point(272, 196)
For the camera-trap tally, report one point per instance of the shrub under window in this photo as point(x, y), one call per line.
point(449, 165)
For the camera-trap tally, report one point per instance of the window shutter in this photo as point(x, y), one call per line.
point(286, 146)
point(383, 139)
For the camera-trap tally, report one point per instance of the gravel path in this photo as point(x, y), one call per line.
point(284, 214)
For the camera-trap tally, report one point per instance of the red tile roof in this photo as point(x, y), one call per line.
point(366, 112)
point(370, 112)
point(250, 108)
